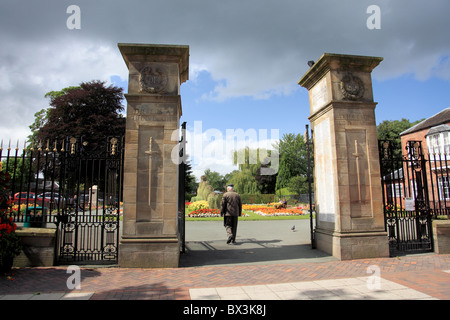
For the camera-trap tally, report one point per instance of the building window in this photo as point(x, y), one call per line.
point(444, 190)
point(413, 189)
point(398, 190)
point(439, 143)
point(394, 190)
point(433, 143)
point(446, 143)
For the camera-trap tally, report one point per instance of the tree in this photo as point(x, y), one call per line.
point(17, 168)
point(298, 185)
point(206, 192)
point(56, 94)
point(41, 117)
point(91, 110)
point(293, 158)
point(247, 158)
point(250, 163)
point(391, 129)
point(244, 181)
point(267, 183)
point(190, 186)
point(215, 179)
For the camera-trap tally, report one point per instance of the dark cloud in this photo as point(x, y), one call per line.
point(252, 47)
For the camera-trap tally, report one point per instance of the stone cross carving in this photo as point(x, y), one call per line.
point(150, 154)
point(357, 155)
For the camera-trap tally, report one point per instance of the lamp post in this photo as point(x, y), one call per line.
point(308, 143)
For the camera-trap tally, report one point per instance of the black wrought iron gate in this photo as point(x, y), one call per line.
point(407, 182)
point(88, 223)
point(72, 185)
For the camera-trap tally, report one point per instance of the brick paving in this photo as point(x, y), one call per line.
point(424, 273)
point(435, 283)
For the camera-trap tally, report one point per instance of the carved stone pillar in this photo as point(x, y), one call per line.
point(149, 234)
point(349, 220)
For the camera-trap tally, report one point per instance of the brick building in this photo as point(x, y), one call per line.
point(429, 140)
point(433, 133)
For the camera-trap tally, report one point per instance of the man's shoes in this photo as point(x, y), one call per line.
point(229, 240)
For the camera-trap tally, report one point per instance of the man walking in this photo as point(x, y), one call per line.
point(231, 209)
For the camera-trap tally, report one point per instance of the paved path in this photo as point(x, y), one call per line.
point(411, 277)
point(424, 276)
point(258, 242)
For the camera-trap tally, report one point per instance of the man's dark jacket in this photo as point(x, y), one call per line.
point(231, 204)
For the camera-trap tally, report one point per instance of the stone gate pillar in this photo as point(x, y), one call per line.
point(347, 185)
point(149, 233)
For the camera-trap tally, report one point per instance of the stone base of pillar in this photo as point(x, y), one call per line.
point(354, 245)
point(149, 252)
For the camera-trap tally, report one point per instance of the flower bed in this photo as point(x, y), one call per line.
point(200, 213)
point(198, 205)
point(253, 207)
point(23, 207)
point(206, 213)
point(10, 245)
point(264, 210)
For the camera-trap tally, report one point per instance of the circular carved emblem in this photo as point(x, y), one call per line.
point(153, 80)
point(352, 87)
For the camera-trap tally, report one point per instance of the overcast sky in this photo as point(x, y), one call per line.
point(246, 56)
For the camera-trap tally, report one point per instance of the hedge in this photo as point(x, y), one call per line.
point(249, 198)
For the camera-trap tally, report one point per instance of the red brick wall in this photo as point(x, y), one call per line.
point(431, 174)
point(416, 136)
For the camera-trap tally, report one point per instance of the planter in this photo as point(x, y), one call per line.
point(38, 247)
point(35, 217)
point(6, 264)
point(441, 236)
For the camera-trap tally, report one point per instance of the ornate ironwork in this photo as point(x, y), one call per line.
point(406, 198)
point(80, 187)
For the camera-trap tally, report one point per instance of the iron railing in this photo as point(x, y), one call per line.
point(415, 179)
point(71, 187)
point(415, 191)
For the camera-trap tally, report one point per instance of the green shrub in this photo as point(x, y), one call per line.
point(214, 200)
point(249, 198)
point(204, 189)
point(197, 205)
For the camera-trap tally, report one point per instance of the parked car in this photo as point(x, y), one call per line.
point(53, 197)
point(29, 198)
point(24, 197)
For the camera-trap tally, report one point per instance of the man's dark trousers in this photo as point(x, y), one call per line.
point(230, 223)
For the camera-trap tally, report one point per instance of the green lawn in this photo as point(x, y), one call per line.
point(253, 217)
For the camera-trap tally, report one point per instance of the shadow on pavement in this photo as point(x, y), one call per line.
point(247, 252)
point(258, 242)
